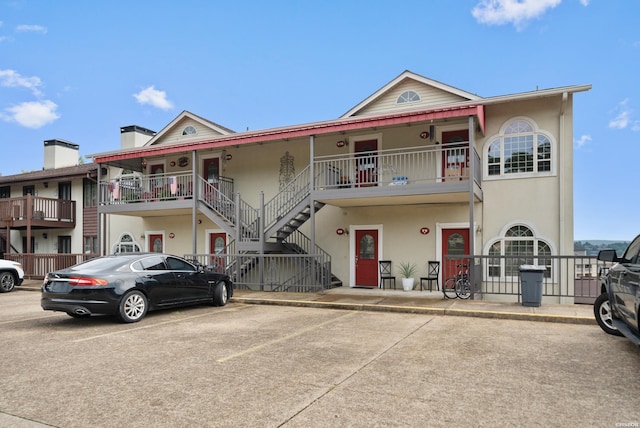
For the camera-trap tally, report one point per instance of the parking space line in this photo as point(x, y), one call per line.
point(28, 319)
point(144, 327)
point(283, 338)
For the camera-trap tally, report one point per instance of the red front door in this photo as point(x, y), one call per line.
point(211, 171)
point(366, 162)
point(155, 243)
point(455, 159)
point(366, 258)
point(455, 242)
point(217, 246)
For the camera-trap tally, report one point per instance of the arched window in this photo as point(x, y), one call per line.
point(126, 244)
point(519, 246)
point(408, 97)
point(520, 149)
point(189, 130)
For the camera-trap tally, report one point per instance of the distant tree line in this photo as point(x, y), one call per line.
point(592, 248)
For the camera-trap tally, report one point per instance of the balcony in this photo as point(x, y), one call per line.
point(429, 174)
point(36, 212)
point(134, 193)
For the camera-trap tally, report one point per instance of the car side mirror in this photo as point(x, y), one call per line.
point(608, 256)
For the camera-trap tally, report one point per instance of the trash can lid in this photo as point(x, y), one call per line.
point(532, 268)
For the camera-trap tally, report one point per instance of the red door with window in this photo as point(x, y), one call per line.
point(455, 242)
point(366, 162)
point(366, 258)
point(217, 246)
point(455, 159)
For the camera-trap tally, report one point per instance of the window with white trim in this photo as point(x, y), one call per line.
point(519, 149)
point(519, 246)
point(126, 244)
point(408, 97)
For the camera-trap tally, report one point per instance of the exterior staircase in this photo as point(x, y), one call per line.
point(271, 229)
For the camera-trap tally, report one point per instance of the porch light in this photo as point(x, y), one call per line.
point(342, 143)
point(340, 231)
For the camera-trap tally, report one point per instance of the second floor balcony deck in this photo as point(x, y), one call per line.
point(427, 174)
point(36, 212)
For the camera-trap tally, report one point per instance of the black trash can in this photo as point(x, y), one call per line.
point(531, 278)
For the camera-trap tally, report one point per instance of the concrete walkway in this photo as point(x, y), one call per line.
point(419, 302)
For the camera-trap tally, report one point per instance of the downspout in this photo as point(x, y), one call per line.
point(472, 229)
point(194, 205)
point(562, 190)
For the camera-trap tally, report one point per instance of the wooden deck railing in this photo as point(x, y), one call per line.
point(35, 210)
point(36, 266)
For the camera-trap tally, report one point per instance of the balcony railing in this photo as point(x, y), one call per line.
point(34, 210)
point(395, 167)
point(156, 187)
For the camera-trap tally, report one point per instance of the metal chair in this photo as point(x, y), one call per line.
point(386, 274)
point(433, 270)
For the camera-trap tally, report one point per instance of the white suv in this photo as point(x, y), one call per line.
point(11, 274)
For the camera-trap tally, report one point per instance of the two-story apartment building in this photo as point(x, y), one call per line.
point(51, 212)
point(417, 171)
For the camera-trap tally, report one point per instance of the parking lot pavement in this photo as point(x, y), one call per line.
point(260, 365)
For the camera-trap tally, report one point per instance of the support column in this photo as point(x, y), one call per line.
point(194, 206)
point(312, 205)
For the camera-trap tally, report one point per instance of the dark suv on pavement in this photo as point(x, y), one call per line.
point(616, 309)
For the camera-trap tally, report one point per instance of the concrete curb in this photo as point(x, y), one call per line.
point(567, 319)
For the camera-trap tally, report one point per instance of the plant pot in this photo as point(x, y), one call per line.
point(407, 284)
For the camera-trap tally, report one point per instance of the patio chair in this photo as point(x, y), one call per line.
point(433, 270)
point(386, 274)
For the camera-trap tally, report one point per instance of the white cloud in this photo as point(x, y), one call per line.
point(623, 118)
point(13, 79)
point(516, 12)
point(154, 98)
point(34, 114)
point(584, 139)
point(584, 2)
point(32, 29)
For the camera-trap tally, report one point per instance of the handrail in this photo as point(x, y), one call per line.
point(393, 167)
point(291, 195)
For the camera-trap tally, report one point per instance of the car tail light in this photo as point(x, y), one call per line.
point(87, 282)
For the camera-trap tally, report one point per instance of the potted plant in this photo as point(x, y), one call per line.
point(407, 270)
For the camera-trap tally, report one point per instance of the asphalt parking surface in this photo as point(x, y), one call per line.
point(250, 365)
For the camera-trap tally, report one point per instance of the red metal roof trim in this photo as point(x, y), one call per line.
point(317, 128)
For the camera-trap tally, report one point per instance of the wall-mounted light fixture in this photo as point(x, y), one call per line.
point(342, 143)
point(172, 235)
point(424, 230)
point(340, 231)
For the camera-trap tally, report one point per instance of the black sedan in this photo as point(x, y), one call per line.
point(129, 285)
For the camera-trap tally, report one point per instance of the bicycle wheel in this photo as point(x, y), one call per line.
point(463, 289)
point(449, 288)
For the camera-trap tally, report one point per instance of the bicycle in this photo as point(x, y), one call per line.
point(459, 285)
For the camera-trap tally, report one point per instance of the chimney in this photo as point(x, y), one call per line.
point(60, 153)
point(134, 136)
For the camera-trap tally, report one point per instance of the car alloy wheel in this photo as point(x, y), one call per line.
point(133, 307)
point(604, 315)
point(7, 282)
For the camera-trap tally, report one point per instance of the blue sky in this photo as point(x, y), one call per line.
point(79, 70)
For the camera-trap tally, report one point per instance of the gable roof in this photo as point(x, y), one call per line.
point(407, 76)
point(187, 115)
